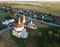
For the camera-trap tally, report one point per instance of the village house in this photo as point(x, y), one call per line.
point(57, 19)
point(41, 16)
point(7, 23)
point(31, 25)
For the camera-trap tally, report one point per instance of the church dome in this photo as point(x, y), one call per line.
point(24, 34)
point(20, 25)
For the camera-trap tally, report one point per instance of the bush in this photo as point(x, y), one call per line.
point(50, 33)
point(2, 27)
point(40, 34)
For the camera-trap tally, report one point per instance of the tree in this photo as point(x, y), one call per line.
point(14, 14)
point(58, 31)
point(9, 16)
point(49, 14)
point(12, 10)
point(50, 33)
point(56, 37)
point(2, 26)
point(40, 34)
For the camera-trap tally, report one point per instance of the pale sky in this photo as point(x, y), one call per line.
point(29, 0)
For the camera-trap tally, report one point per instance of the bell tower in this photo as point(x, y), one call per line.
point(19, 20)
point(31, 22)
point(24, 19)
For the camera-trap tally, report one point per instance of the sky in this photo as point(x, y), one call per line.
point(30, 0)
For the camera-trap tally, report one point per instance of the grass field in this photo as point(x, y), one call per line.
point(2, 16)
point(53, 8)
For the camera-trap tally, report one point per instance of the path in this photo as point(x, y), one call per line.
point(4, 30)
point(43, 22)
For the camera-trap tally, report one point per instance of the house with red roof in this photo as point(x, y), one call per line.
point(57, 19)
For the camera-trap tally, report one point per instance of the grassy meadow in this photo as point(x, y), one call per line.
point(45, 7)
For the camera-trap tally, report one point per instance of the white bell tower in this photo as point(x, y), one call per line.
point(24, 19)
